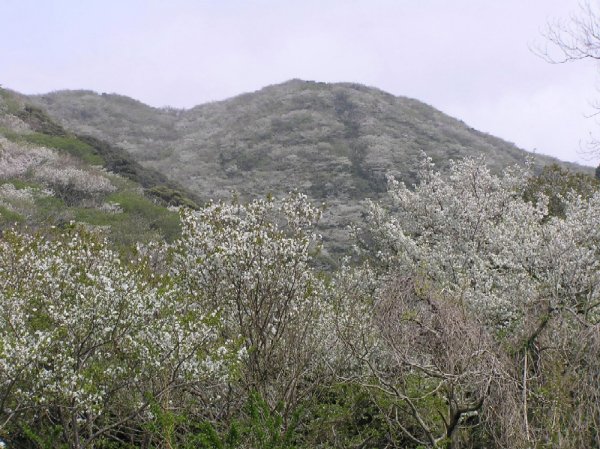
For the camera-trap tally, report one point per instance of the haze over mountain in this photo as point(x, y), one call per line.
point(335, 142)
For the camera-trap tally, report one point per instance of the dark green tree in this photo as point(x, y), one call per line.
point(557, 183)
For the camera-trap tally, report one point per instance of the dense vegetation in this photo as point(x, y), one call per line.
point(51, 176)
point(335, 142)
point(468, 318)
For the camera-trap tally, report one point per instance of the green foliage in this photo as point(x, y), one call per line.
point(95, 152)
point(9, 134)
point(557, 183)
point(21, 184)
point(119, 161)
point(40, 121)
point(259, 427)
point(51, 210)
point(69, 144)
point(10, 102)
point(163, 425)
point(346, 415)
point(171, 197)
point(139, 213)
point(265, 428)
point(156, 184)
point(141, 218)
point(135, 218)
point(8, 217)
point(49, 437)
point(96, 217)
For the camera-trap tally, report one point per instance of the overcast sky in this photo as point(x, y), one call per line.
point(468, 58)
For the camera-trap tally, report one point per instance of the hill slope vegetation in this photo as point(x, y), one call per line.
point(335, 142)
point(50, 177)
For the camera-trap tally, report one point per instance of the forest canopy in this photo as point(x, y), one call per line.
point(468, 317)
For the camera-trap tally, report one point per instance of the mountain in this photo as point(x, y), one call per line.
point(51, 176)
point(335, 142)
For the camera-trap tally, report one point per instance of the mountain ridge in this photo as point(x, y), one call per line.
point(168, 115)
point(336, 142)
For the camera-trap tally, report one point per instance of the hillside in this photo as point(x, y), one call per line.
point(336, 142)
point(50, 177)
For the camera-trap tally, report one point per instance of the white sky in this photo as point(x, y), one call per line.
point(468, 58)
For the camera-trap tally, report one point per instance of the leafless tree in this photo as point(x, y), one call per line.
point(575, 39)
point(439, 362)
point(455, 380)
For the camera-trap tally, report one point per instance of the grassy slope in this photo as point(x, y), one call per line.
point(50, 176)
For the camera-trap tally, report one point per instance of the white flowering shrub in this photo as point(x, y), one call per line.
point(473, 234)
point(16, 159)
point(61, 173)
point(21, 200)
point(76, 181)
point(516, 280)
point(89, 342)
point(13, 123)
point(251, 265)
point(9, 193)
point(351, 297)
point(111, 208)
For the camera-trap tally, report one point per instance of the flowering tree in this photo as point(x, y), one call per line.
point(17, 159)
point(526, 280)
point(89, 342)
point(251, 265)
point(73, 183)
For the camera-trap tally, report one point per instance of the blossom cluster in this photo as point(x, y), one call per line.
point(473, 234)
point(87, 335)
point(251, 264)
point(16, 160)
point(20, 200)
point(51, 169)
point(81, 180)
point(89, 339)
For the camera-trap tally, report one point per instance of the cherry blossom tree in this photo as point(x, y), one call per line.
point(88, 342)
point(252, 265)
point(500, 281)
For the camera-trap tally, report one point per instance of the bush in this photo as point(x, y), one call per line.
point(141, 212)
point(90, 342)
point(8, 217)
point(39, 121)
